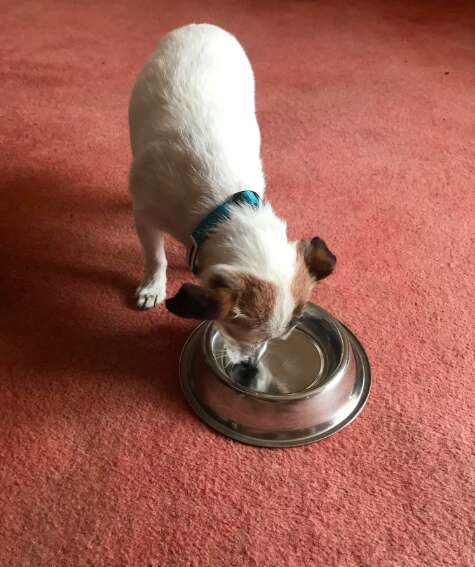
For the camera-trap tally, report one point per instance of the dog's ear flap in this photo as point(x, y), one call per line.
point(319, 259)
point(196, 302)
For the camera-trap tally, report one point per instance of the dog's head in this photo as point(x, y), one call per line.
point(249, 310)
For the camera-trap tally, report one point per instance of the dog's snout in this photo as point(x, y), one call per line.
point(255, 355)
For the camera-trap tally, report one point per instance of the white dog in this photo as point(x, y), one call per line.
point(197, 175)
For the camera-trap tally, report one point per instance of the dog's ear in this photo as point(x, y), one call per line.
point(319, 259)
point(196, 302)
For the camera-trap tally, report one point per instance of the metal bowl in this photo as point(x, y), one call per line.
point(307, 387)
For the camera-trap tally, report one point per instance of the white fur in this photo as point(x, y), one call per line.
point(255, 241)
point(195, 142)
point(193, 130)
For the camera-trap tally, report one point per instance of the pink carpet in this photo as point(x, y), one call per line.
point(367, 111)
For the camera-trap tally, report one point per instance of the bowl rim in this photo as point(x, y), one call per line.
point(311, 391)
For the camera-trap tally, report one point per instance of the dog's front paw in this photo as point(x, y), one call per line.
point(150, 293)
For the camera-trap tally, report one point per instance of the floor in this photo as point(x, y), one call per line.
point(367, 110)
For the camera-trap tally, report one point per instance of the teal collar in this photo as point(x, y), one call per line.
point(216, 217)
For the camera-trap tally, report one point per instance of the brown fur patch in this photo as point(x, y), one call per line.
point(254, 304)
point(257, 299)
point(302, 283)
point(248, 295)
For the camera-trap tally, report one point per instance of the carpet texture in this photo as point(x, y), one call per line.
point(367, 112)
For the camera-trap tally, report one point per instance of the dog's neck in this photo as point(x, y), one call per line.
point(252, 240)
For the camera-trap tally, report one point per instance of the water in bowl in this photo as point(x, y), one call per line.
point(286, 367)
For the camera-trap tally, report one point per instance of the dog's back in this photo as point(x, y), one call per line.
point(194, 134)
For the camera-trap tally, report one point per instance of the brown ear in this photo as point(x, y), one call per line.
point(319, 259)
point(196, 302)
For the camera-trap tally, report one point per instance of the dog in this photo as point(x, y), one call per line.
point(196, 174)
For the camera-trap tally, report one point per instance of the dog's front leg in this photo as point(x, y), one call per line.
point(152, 290)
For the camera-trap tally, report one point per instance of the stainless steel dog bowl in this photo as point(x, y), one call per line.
point(307, 387)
